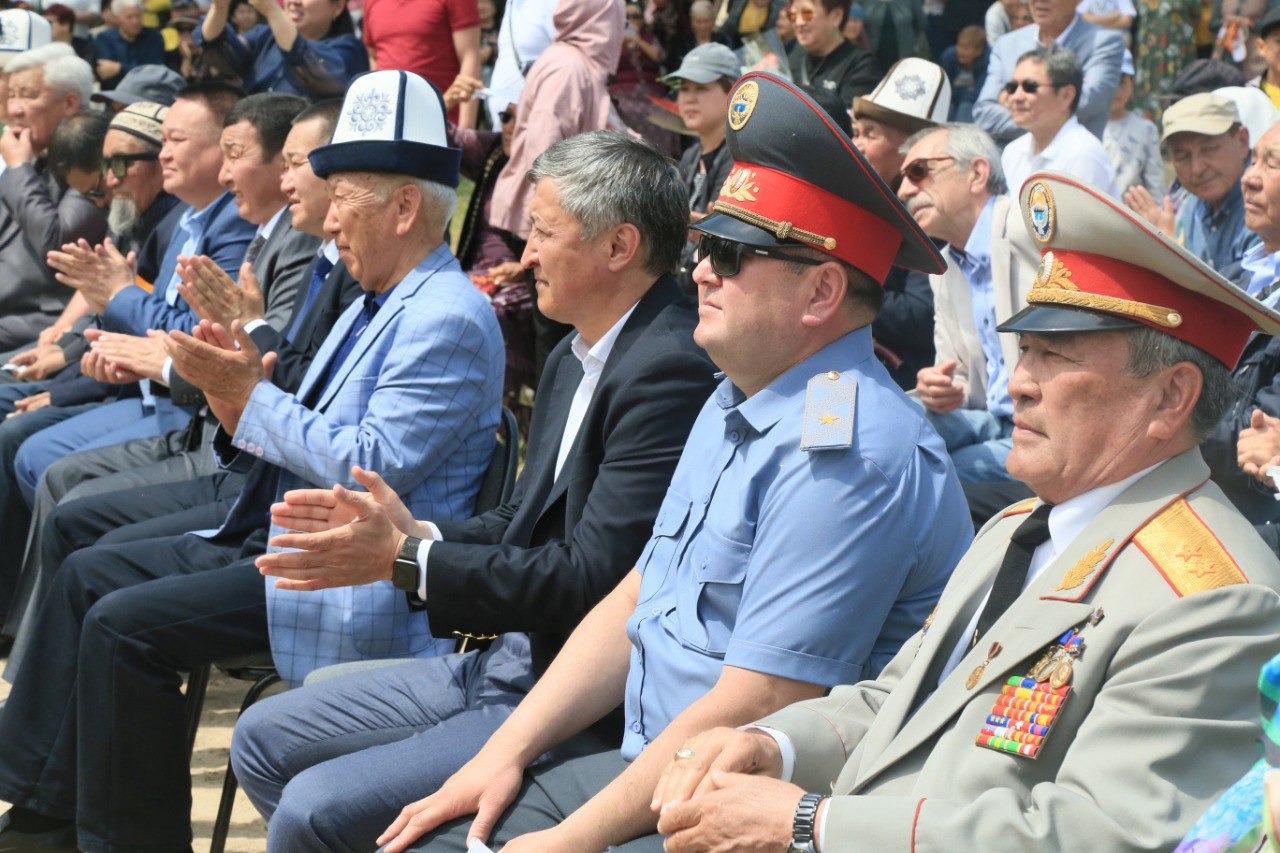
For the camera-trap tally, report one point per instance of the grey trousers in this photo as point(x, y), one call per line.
point(550, 792)
point(143, 461)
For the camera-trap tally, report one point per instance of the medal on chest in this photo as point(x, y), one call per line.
point(1022, 717)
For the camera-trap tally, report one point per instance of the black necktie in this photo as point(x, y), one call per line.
point(1012, 577)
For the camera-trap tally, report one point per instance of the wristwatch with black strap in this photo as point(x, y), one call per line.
point(404, 571)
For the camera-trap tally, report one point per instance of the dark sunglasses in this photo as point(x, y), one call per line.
point(919, 170)
point(118, 164)
point(506, 116)
point(1028, 86)
point(726, 255)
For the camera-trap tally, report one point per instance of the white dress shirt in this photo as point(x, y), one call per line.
point(1074, 150)
point(593, 359)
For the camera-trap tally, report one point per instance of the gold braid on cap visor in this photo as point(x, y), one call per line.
point(1053, 286)
point(781, 230)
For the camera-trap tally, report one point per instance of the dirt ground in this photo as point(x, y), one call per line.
point(208, 765)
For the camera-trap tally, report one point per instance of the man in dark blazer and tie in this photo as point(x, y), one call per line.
point(613, 410)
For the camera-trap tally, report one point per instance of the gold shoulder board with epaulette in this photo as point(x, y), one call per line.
point(1186, 552)
point(1020, 508)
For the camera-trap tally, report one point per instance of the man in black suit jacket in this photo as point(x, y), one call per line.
point(613, 410)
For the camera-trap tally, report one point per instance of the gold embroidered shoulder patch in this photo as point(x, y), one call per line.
point(1020, 508)
point(1186, 552)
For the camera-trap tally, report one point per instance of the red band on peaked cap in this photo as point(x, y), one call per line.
point(863, 239)
point(1206, 323)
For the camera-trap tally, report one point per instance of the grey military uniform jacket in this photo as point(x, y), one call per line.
point(1163, 707)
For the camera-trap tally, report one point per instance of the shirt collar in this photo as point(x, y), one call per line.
point(593, 358)
point(265, 229)
point(1068, 519)
point(1051, 150)
point(1233, 199)
point(768, 405)
point(1062, 36)
point(330, 251)
point(977, 250)
point(192, 218)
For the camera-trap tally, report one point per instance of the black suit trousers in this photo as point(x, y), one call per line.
point(94, 728)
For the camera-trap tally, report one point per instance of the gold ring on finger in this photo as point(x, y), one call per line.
point(684, 753)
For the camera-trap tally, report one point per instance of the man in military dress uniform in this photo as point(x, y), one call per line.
point(1086, 681)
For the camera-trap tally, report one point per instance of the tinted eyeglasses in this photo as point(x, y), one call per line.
point(118, 164)
point(919, 170)
point(726, 255)
point(801, 15)
point(1028, 86)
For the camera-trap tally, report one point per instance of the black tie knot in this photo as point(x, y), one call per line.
point(1034, 530)
point(1012, 577)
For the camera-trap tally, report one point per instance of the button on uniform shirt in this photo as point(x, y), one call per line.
point(1219, 238)
point(975, 263)
point(814, 565)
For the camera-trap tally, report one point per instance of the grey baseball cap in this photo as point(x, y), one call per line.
point(153, 83)
point(706, 63)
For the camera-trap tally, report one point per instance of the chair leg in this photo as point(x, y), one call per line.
point(222, 825)
point(197, 684)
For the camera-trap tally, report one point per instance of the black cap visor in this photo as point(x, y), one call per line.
point(1056, 318)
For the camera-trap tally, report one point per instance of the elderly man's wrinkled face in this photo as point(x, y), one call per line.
point(1261, 188)
point(308, 195)
point(1210, 166)
point(130, 22)
point(37, 107)
point(881, 144)
point(363, 225)
point(935, 198)
point(142, 181)
point(1079, 418)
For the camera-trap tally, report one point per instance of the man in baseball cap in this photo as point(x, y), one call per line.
point(1209, 148)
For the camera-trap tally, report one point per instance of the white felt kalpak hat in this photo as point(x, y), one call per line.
point(21, 30)
point(392, 122)
point(915, 94)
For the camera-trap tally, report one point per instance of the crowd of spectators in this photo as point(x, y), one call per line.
point(232, 276)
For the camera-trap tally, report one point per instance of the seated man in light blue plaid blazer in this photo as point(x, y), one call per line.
point(407, 383)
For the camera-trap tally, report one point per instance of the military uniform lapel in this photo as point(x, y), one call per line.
point(1058, 599)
